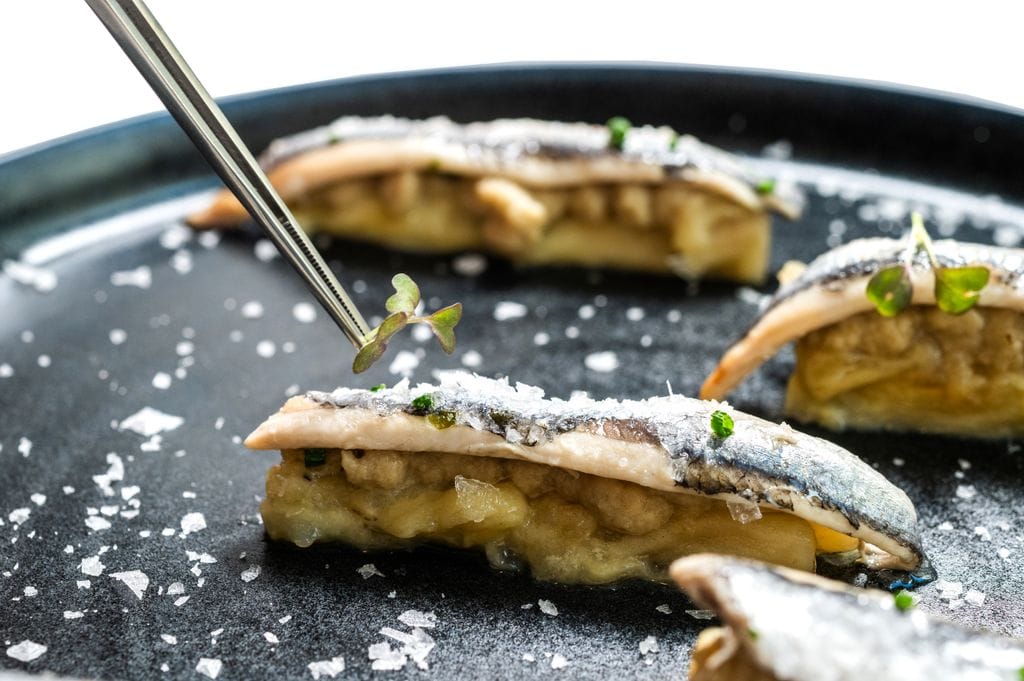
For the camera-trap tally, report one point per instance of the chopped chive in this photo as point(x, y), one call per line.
point(617, 129)
point(721, 424)
point(765, 186)
point(315, 456)
point(903, 599)
point(423, 403)
point(377, 388)
point(442, 419)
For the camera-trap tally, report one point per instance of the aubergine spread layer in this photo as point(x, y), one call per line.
point(536, 192)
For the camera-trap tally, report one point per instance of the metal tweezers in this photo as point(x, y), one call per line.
point(154, 55)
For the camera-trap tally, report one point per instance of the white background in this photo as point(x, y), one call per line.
point(61, 72)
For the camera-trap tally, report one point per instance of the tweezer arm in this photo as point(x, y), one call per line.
point(154, 55)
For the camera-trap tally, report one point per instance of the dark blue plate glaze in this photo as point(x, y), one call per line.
point(862, 150)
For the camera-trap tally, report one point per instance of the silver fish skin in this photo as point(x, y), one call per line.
point(863, 257)
point(805, 628)
point(761, 463)
point(504, 143)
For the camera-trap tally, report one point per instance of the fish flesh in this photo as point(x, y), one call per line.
point(579, 490)
point(783, 625)
point(536, 192)
point(922, 370)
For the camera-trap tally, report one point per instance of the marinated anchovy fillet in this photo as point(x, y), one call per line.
point(921, 370)
point(577, 490)
point(537, 192)
point(782, 625)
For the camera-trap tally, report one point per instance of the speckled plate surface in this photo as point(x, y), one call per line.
point(134, 554)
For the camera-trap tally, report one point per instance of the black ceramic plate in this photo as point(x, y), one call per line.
point(80, 491)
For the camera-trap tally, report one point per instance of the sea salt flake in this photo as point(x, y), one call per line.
point(558, 661)
point(285, 620)
point(529, 657)
point(266, 349)
point(271, 637)
point(945, 526)
point(507, 310)
point(547, 607)
point(38, 499)
point(664, 608)
point(192, 522)
point(304, 313)
point(701, 614)
point(602, 362)
point(83, 583)
point(141, 277)
point(148, 422)
point(965, 491)
point(252, 309)
point(136, 580)
point(97, 524)
point(209, 667)
point(129, 491)
point(974, 597)
point(251, 573)
point(19, 515)
point(982, 533)
point(26, 651)
point(181, 601)
point(415, 618)
point(169, 639)
point(386, 658)
point(73, 614)
point(949, 590)
point(30, 591)
point(649, 645)
point(325, 668)
point(204, 558)
point(265, 250)
point(40, 278)
point(175, 589)
point(181, 261)
point(404, 364)
point(469, 265)
point(369, 570)
point(25, 446)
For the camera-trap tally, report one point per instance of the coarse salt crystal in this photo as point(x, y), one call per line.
point(331, 667)
point(547, 607)
point(649, 645)
point(415, 618)
point(602, 362)
point(507, 310)
point(209, 667)
point(136, 580)
point(558, 661)
point(26, 651)
point(965, 491)
point(369, 570)
point(250, 573)
point(192, 522)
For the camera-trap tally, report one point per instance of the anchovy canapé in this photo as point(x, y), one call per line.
point(782, 625)
point(475, 461)
point(537, 192)
point(923, 369)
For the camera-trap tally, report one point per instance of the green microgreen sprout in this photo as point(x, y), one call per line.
point(402, 306)
point(903, 600)
point(673, 142)
point(377, 388)
point(956, 288)
point(315, 456)
point(618, 127)
point(721, 424)
point(766, 186)
point(423, 403)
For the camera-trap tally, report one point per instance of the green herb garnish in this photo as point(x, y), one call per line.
point(765, 186)
point(1020, 673)
point(752, 633)
point(957, 289)
point(721, 424)
point(377, 388)
point(402, 306)
point(423, 403)
point(618, 127)
point(314, 457)
point(673, 142)
point(502, 419)
point(442, 419)
point(903, 599)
